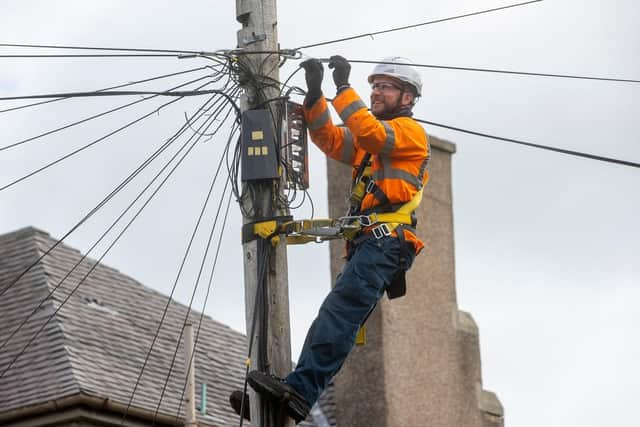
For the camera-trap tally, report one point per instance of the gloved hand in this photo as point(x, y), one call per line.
point(313, 74)
point(341, 70)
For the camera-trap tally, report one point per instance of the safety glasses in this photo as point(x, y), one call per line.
point(384, 87)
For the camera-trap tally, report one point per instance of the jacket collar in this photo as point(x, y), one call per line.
point(403, 112)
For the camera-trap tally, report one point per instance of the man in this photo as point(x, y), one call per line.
point(389, 152)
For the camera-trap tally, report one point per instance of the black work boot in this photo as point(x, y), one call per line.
point(276, 389)
point(236, 398)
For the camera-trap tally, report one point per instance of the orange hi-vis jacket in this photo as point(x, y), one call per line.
point(399, 148)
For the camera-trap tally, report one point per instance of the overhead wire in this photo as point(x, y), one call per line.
point(202, 109)
point(109, 88)
point(202, 264)
point(175, 93)
point(556, 149)
point(77, 286)
point(106, 199)
point(195, 288)
point(121, 49)
point(166, 308)
point(405, 27)
point(93, 143)
point(204, 305)
point(106, 55)
point(209, 285)
point(540, 146)
point(95, 116)
point(490, 70)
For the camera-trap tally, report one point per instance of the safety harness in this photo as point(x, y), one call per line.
point(387, 216)
point(356, 227)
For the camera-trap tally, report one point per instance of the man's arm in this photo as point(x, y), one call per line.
point(335, 142)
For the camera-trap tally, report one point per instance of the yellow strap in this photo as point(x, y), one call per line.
point(412, 204)
point(359, 189)
point(361, 337)
point(402, 218)
point(402, 215)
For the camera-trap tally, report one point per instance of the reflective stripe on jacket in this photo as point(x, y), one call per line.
point(400, 147)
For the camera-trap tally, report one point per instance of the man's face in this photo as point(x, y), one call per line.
point(387, 95)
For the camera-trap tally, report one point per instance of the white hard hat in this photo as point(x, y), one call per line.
point(399, 68)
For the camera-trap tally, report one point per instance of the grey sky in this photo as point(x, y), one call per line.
point(547, 246)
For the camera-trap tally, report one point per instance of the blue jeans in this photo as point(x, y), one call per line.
point(371, 268)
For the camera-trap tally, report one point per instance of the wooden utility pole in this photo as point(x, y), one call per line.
point(263, 202)
point(190, 361)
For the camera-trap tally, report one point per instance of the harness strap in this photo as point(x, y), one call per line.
point(372, 188)
point(358, 186)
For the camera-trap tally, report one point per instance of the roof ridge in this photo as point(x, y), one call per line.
point(30, 229)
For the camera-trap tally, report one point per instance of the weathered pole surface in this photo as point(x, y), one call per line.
point(263, 201)
point(190, 360)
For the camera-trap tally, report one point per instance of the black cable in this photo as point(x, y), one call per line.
point(197, 282)
point(210, 282)
point(115, 55)
point(193, 294)
point(55, 288)
point(41, 46)
point(287, 81)
point(118, 93)
point(169, 299)
point(224, 119)
point(91, 144)
point(263, 261)
point(543, 147)
point(109, 88)
point(489, 70)
point(105, 200)
point(415, 25)
point(95, 116)
point(95, 265)
point(204, 305)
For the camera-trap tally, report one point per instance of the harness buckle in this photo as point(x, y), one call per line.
point(370, 186)
point(381, 231)
point(365, 220)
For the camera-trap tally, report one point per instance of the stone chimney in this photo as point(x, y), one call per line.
point(420, 365)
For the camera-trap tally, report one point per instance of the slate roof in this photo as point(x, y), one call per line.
point(97, 341)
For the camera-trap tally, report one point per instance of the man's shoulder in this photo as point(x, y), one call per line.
point(410, 124)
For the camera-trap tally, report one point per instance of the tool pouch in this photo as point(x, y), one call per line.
point(398, 286)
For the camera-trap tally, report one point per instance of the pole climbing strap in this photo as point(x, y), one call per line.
point(380, 224)
point(266, 228)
